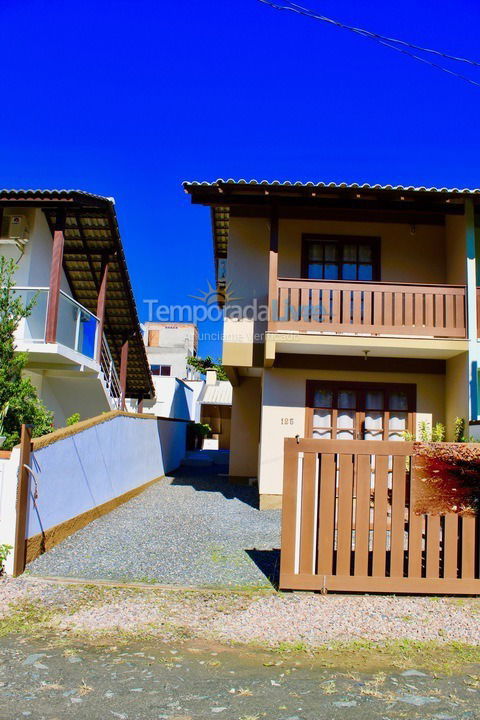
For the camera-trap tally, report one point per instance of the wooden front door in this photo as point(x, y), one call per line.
point(359, 411)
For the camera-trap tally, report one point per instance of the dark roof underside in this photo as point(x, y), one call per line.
point(91, 233)
point(252, 198)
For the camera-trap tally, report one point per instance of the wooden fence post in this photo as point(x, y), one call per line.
point(22, 502)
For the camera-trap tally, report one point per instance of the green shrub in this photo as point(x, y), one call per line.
point(24, 405)
point(4, 553)
point(459, 429)
point(73, 419)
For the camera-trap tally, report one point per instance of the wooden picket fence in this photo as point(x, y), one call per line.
point(348, 524)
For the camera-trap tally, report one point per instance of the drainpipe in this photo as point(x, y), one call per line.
point(472, 308)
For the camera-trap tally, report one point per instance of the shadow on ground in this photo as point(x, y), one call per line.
point(268, 562)
point(215, 479)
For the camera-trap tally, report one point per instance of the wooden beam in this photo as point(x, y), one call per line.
point(101, 302)
point(55, 278)
point(20, 549)
point(273, 262)
point(123, 374)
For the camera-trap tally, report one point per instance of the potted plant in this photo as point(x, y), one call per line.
point(3, 414)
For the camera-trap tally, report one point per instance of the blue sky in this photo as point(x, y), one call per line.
point(128, 98)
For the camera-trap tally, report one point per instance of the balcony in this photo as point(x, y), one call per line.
point(77, 337)
point(368, 308)
point(77, 327)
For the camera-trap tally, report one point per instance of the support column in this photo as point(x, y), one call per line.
point(123, 374)
point(140, 405)
point(473, 346)
point(273, 309)
point(20, 547)
point(101, 302)
point(55, 278)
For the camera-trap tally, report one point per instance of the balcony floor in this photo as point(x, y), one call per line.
point(355, 345)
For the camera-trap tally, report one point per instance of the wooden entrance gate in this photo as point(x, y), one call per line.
point(348, 524)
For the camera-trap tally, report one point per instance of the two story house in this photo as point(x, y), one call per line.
point(350, 313)
point(85, 347)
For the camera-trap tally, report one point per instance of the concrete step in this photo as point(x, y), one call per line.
point(197, 458)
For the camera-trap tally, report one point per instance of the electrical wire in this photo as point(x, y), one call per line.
point(388, 42)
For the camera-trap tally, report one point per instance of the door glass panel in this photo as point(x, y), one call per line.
point(347, 399)
point(398, 401)
point(322, 419)
point(346, 419)
point(398, 421)
point(354, 409)
point(323, 398)
point(349, 271)
point(373, 424)
point(365, 253)
point(373, 434)
point(322, 434)
point(345, 434)
point(374, 400)
point(315, 271)
point(322, 424)
point(365, 272)
point(331, 272)
point(374, 420)
point(350, 253)
point(315, 251)
point(331, 252)
point(342, 259)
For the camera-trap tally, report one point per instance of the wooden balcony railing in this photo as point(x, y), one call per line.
point(478, 312)
point(373, 308)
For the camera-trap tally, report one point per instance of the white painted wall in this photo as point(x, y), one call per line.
point(34, 265)
point(77, 473)
point(8, 499)
point(107, 460)
point(174, 398)
point(196, 386)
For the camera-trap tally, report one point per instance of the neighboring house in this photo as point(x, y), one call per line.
point(168, 345)
point(215, 403)
point(177, 385)
point(370, 326)
point(84, 343)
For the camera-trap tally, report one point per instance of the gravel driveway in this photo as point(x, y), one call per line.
point(195, 528)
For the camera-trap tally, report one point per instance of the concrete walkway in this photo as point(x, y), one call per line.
point(41, 679)
point(195, 528)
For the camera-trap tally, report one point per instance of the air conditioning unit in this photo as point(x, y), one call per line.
point(14, 230)
point(17, 227)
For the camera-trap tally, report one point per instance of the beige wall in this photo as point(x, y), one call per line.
point(456, 248)
point(405, 257)
point(247, 283)
point(247, 265)
point(245, 428)
point(283, 412)
point(456, 392)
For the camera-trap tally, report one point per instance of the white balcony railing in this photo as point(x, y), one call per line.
point(109, 372)
point(77, 327)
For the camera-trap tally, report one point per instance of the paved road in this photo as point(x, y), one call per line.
point(193, 529)
point(47, 681)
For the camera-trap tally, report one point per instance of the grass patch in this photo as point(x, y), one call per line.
point(26, 617)
point(364, 655)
